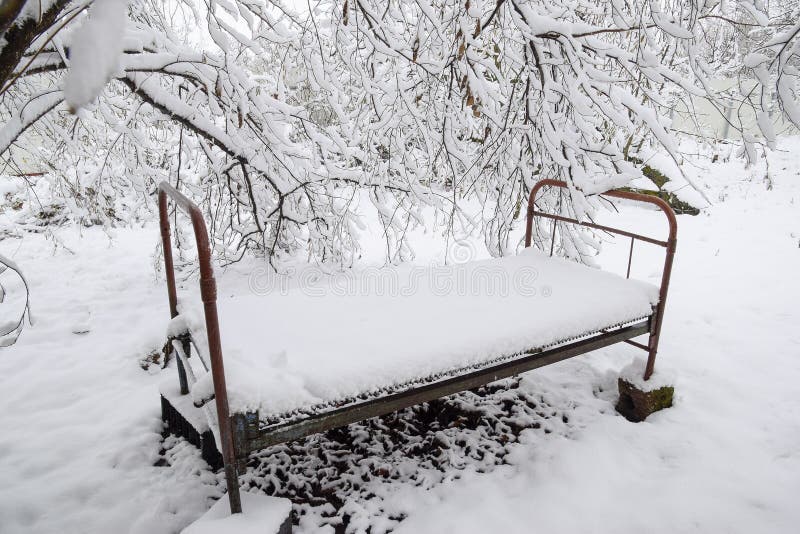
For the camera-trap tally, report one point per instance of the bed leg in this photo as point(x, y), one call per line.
point(232, 465)
point(658, 316)
point(232, 483)
point(182, 378)
point(187, 347)
point(655, 334)
point(652, 345)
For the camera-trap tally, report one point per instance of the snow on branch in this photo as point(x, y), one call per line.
point(95, 51)
point(26, 114)
point(279, 123)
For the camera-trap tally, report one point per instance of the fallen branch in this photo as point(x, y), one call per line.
point(10, 331)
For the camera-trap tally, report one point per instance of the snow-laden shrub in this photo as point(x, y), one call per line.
point(277, 121)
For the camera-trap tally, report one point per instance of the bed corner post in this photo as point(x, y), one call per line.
point(208, 293)
point(532, 207)
point(169, 271)
point(658, 316)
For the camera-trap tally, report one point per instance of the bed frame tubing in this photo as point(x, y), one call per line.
point(658, 314)
point(282, 433)
point(208, 293)
point(240, 435)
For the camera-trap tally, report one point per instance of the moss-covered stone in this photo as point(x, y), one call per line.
point(635, 404)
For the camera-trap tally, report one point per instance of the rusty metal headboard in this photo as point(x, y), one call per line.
point(670, 244)
point(208, 293)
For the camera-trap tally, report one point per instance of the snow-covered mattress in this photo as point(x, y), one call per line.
point(328, 344)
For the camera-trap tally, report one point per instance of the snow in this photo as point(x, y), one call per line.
point(260, 515)
point(22, 119)
point(321, 344)
point(170, 390)
point(95, 51)
point(34, 10)
point(81, 426)
point(633, 373)
point(80, 417)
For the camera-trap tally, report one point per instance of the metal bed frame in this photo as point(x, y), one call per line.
point(240, 434)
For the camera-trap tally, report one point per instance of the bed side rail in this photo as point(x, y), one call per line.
point(208, 293)
point(669, 245)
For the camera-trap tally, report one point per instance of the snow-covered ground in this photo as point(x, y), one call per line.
point(81, 450)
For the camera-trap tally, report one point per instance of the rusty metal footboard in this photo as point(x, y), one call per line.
point(208, 293)
point(658, 313)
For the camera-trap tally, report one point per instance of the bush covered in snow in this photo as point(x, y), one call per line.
point(273, 118)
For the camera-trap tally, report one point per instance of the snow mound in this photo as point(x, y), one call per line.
point(260, 515)
point(633, 373)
